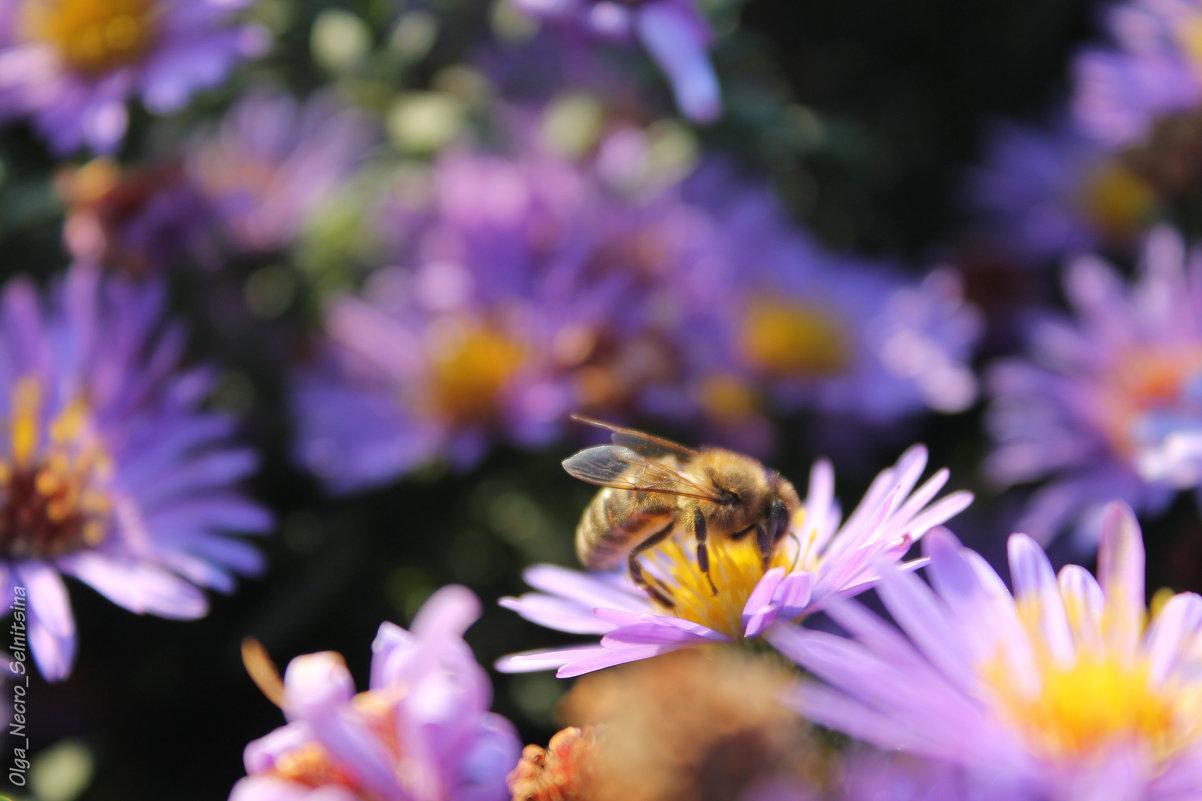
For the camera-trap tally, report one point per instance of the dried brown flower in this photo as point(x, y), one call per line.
point(560, 772)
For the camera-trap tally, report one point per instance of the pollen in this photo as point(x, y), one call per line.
point(788, 339)
point(53, 479)
point(1117, 200)
point(735, 568)
point(1082, 708)
point(92, 36)
point(471, 366)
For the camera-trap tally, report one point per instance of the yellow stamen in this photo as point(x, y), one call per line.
point(26, 411)
point(789, 338)
point(91, 36)
point(1095, 702)
point(53, 477)
point(1103, 697)
point(262, 670)
point(726, 397)
point(735, 568)
point(470, 369)
point(1117, 200)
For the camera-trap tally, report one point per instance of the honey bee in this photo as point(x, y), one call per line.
point(654, 487)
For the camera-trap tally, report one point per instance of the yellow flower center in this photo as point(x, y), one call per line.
point(470, 369)
point(1096, 702)
point(1116, 200)
point(727, 397)
point(786, 338)
point(1142, 381)
point(311, 765)
point(735, 568)
point(52, 497)
point(92, 36)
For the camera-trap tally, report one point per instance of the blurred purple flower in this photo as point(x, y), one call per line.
point(71, 65)
point(109, 470)
point(1058, 692)
point(529, 290)
point(535, 285)
point(1047, 194)
point(274, 163)
point(1110, 405)
point(1153, 69)
point(420, 732)
point(674, 33)
point(806, 327)
point(820, 562)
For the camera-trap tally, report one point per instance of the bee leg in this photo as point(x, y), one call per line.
point(636, 568)
point(764, 543)
point(703, 551)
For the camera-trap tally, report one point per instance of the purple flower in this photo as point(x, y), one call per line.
point(819, 562)
point(528, 289)
point(71, 65)
point(420, 732)
point(109, 469)
point(1153, 69)
point(531, 285)
point(1067, 690)
point(809, 328)
point(1109, 406)
point(1046, 194)
point(673, 31)
point(274, 163)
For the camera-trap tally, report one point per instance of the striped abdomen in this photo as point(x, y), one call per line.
point(616, 521)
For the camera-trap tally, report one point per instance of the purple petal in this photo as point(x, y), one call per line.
point(51, 624)
point(138, 586)
point(677, 41)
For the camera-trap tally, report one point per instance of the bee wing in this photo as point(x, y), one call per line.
point(622, 468)
point(639, 441)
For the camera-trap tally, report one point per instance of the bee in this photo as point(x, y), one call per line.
point(654, 487)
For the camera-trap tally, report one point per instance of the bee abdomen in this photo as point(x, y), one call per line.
point(611, 526)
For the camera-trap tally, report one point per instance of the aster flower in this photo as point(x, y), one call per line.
point(1066, 690)
point(1152, 70)
point(819, 562)
point(531, 285)
point(526, 289)
point(420, 732)
point(110, 470)
point(1046, 194)
point(673, 32)
point(71, 65)
point(1108, 405)
point(274, 163)
point(805, 327)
